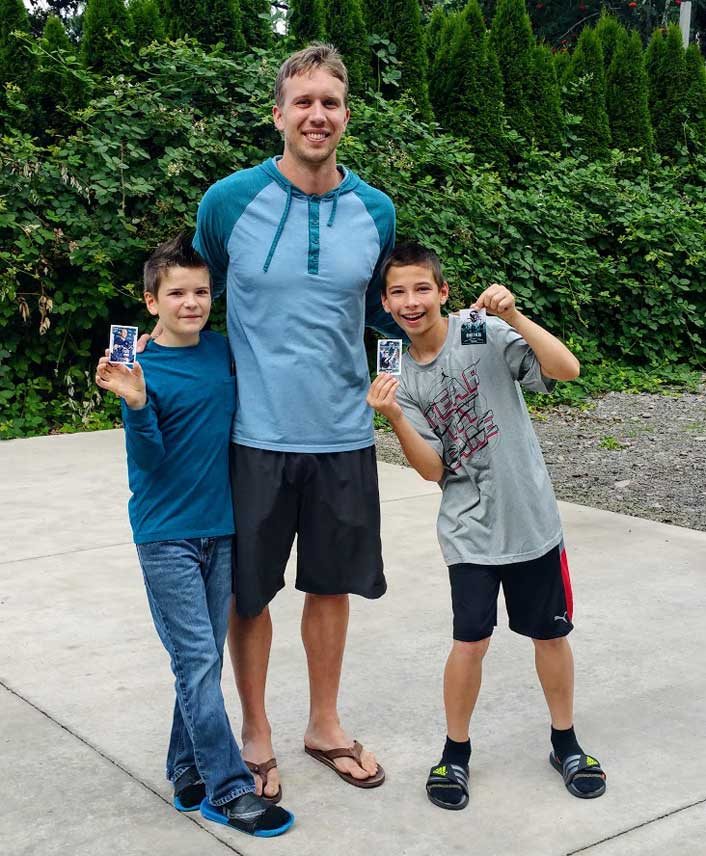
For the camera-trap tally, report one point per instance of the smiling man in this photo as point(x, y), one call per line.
point(301, 237)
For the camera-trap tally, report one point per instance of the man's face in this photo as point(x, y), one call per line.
point(312, 117)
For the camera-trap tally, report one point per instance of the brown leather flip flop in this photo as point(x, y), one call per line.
point(262, 770)
point(328, 756)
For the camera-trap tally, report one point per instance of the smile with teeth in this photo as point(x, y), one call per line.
point(316, 135)
point(413, 317)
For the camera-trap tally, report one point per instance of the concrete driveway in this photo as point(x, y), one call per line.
point(85, 688)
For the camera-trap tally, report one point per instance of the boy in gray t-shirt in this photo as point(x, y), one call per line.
point(461, 420)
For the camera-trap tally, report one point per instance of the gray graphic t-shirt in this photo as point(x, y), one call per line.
point(498, 504)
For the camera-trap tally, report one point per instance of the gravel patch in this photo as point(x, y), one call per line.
point(638, 454)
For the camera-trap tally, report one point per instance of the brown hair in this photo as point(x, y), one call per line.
point(314, 56)
point(179, 252)
point(411, 253)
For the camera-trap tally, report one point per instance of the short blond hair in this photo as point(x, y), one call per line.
point(312, 57)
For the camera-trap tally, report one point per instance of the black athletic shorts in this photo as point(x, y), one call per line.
point(330, 501)
point(537, 597)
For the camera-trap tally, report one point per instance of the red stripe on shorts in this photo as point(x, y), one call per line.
point(566, 580)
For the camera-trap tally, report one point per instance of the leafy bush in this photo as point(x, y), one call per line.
point(613, 264)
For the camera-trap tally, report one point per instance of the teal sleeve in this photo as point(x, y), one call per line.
point(382, 211)
point(143, 437)
point(211, 239)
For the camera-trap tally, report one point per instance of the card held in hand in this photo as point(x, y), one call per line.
point(473, 327)
point(390, 356)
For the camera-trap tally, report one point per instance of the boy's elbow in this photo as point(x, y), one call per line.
point(569, 371)
point(433, 473)
point(574, 370)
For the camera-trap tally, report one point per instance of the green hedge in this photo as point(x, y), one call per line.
point(615, 265)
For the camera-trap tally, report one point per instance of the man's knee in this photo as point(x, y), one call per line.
point(471, 650)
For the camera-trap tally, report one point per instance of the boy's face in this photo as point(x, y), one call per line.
point(312, 117)
point(414, 299)
point(183, 303)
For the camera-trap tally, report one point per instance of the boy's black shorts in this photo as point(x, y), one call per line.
point(329, 500)
point(537, 597)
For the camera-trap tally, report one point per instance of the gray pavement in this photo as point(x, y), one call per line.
point(85, 689)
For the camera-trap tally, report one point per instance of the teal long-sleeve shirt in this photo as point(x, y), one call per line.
point(178, 444)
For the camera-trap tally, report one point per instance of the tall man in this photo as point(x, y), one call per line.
point(302, 238)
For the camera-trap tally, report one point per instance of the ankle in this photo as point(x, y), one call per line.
point(457, 752)
point(564, 742)
point(259, 732)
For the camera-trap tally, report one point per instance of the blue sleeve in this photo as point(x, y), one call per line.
point(219, 211)
point(211, 239)
point(382, 210)
point(143, 438)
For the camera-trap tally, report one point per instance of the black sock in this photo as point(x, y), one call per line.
point(564, 743)
point(456, 753)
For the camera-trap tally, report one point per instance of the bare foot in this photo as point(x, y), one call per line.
point(335, 737)
point(258, 752)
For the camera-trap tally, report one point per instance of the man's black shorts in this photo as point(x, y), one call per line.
point(537, 597)
point(330, 501)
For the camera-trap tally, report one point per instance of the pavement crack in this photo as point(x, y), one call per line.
point(403, 498)
point(636, 826)
point(114, 762)
point(66, 553)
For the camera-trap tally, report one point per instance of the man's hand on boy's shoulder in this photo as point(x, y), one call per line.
point(126, 383)
point(145, 337)
point(498, 300)
point(382, 396)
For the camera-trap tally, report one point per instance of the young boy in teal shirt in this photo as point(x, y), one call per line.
point(461, 420)
point(178, 404)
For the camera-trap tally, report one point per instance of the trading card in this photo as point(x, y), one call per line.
point(122, 344)
point(390, 356)
point(473, 327)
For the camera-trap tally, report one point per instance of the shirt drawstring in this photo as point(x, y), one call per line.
point(280, 229)
point(334, 207)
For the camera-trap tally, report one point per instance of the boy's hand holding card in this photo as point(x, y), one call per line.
point(497, 300)
point(124, 382)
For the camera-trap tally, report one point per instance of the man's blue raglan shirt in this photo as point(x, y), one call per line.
point(301, 275)
point(178, 443)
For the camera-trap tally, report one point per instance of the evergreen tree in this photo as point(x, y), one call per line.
point(432, 35)
point(404, 26)
point(375, 14)
point(545, 98)
point(307, 22)
point(468, 89)
point(57, 90)
point(345, 27)
point(105, 24)
point(16, 64)
point(441, 84)
point(608, 30)
point(666, 70)
point(562, 61)
point(207, 21)
point(257, 30)
point(147, 23)
point(586, 96)
point(511, 37)
point(627, 96)
point(696, 95)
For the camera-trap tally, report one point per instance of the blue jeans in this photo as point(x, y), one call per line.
point(189, 590)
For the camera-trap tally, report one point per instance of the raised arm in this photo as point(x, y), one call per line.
point(143, 437)
point(424, 459)
point(555, 359)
